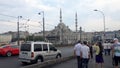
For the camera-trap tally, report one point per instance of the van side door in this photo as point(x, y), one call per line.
point(37, 49)
point(45, 51)
point(52, 51)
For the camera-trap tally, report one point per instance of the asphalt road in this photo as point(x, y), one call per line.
point(73, 63)
point(12, 62)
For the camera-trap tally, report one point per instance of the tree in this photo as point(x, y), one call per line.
point(34, 38)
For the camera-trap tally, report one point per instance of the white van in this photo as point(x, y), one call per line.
point(33, 52)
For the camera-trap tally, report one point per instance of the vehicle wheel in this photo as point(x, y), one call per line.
point(9, 54)
point(39, 59)
point(58, 56)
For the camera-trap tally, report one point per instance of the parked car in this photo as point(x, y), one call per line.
point(33, 52)
point(9, 50)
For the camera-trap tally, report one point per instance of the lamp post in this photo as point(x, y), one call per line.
point(103, 23)
point(43, 24)
point(18, 35)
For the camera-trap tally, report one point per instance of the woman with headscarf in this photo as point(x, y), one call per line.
point(99, 54)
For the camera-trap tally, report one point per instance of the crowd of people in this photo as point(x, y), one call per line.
point(84, 52)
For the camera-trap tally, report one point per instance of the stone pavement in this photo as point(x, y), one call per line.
point(73, 63)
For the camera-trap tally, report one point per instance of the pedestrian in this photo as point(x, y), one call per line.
point(85, 53)
point(109, 48)
point(105, 48)
point(77, 51)
point(116, 52)
point(99, 55)
point(91, 49)
point(94, 47)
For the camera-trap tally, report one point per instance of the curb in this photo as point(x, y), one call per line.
point(49, 63)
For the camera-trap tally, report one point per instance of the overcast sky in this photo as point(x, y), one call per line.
point(87, 18)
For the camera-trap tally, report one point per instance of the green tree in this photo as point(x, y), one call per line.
point(34, 38)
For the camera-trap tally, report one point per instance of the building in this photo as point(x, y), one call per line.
point(22, 35)
point(5, 38)
point(61, 35)
point(87, 36)
point(109, 36)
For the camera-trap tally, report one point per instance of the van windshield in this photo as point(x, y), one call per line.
point(26, 47)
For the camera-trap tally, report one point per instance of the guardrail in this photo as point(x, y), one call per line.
point(63, 45)
point(49, 63)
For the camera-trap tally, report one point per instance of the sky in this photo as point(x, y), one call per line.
point(88, 19)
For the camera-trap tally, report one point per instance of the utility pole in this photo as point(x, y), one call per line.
point(43, 24)
point(26, 30)
point(18, 35)
point(43, 27)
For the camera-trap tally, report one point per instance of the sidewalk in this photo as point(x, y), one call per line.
point(73, 63)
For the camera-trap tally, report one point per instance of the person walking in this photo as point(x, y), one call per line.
point(116, 52)
point(105, 46)
point(109, 48)
point(77, 51)
point(91, 49)
point(85, 54)
point(99, 54)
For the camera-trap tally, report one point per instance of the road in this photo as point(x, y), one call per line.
point(12, 62)
point(73, 63)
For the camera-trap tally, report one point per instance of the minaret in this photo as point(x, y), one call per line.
point(76, 22)
point(60, 16)
point(61, 29)
point(76, 25)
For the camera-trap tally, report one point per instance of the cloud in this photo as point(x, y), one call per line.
point(112, 24)
point(87, 18)
point(98, 25)
point(39, 5)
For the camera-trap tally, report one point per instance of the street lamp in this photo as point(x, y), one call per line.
point(43, 24)
point(103, 23)
point(18, 35)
